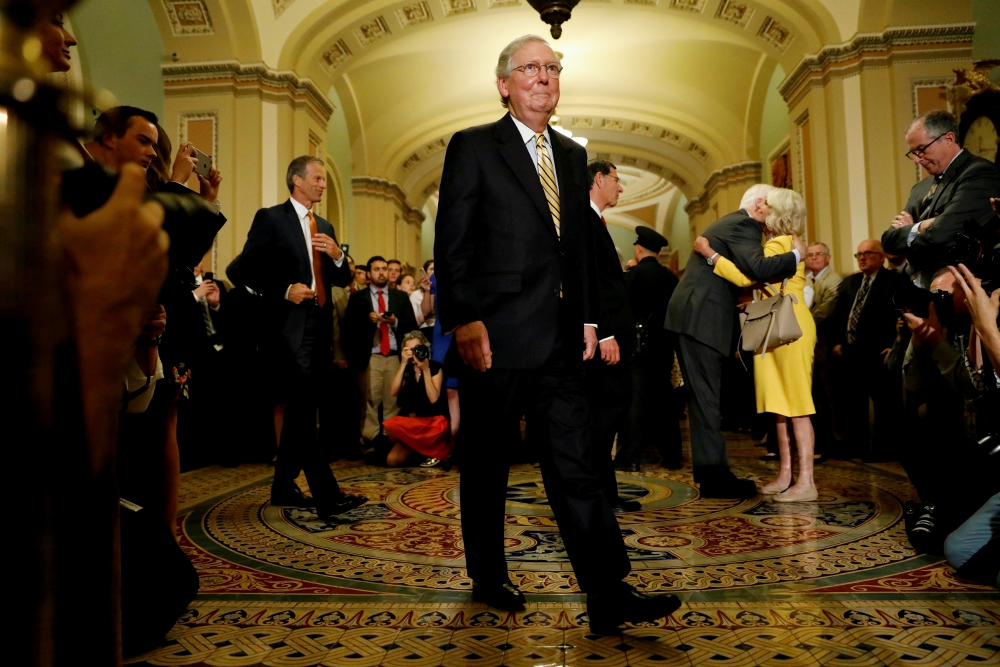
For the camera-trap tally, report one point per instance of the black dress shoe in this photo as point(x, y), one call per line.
point(730, 488)
point(342, 505)
point(627, 605)
point(625, 505)
point(504, 596)
point(290, 496)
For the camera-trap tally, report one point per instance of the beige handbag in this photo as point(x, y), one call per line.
point(769, 323)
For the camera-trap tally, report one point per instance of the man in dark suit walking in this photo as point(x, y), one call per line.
point(291, 258)
point(377, 319)
point(653, 417)
point(608, 374)
point(514, 271)
point(862, 330)
point(703, 313)
point(954, 198)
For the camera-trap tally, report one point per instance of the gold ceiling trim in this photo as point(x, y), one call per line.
point(626, 160)
point(876, 49)
point(741, 172)
point(188, 17)
point(650, 130)
point(191, 78)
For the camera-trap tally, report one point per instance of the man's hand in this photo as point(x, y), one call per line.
point(703, 247)
point(213, 294)
point(184, 164)
point(922, 227)
point(904, 219)
point(610, 354)
point(800, 245)
point(210, 186)
point(298, 293)
point(837, 350)
point(202, 290)
point(589, 342)
point(326, 245)
point(925, 330)
point(341, 364)
point(885, 355)
point(474, 345)
point(375, 318)
point(156, 322)
point(982, 306)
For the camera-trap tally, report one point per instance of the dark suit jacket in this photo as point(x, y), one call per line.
point(704, 305)
point(650, 286)
point(359, 331)
point(498, 258)
point(877, 322)
point(614, 315)
point(961, 204)
point(275, 257)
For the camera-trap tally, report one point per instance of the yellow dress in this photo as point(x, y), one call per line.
point(782, 378)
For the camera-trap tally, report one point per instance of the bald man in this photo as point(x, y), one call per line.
point(862, 331)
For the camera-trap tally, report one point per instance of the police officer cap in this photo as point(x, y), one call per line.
point(650, 239)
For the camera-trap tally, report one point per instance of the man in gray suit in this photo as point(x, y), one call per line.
point(702, 312)
point(822, 288)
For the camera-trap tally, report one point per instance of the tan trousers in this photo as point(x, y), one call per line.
point(376, 384)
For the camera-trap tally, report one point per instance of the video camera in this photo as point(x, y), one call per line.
point(188, 220)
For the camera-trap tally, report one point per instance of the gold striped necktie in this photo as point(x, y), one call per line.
point(547, 176)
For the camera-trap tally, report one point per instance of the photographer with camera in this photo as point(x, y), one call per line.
point(950, 389)
point(422, 425)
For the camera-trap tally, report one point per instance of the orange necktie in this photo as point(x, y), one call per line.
point(317, 265)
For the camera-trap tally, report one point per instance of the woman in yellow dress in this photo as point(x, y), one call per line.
point(783, 377)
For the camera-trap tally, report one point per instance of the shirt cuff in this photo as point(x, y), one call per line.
point(798, 257)
point(588, 324)
point(340, 262)
point(287, 290)
point(914, 230)
point(604, 339)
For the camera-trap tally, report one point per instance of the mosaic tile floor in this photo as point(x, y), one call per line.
point(832, 582)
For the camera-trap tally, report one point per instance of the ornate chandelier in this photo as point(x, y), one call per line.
point(554, 12)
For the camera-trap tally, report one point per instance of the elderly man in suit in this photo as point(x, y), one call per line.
point(703, 313)
point(822, 288)
point(377, 319)
point(291, 258)
point(609, 378)
point(953, 199)
point(862, 330)
point(513, 247)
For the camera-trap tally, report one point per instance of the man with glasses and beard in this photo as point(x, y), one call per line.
point(953, 199)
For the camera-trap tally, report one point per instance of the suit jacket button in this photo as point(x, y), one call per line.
point(556, 292)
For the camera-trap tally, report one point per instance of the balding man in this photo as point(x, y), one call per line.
point(513, 251)
point(862, 330)
point(953, 199)
point(702, 312)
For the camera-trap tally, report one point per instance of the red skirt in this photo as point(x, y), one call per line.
point(430, 436)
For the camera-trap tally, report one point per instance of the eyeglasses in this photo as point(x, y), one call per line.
point(920, 150)
point(531, 70)
point(866, 253)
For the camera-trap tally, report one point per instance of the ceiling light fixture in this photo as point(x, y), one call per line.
point(554, 12)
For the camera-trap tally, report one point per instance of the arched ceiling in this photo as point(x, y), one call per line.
point(674, 86)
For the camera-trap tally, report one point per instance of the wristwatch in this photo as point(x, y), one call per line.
point(711, 260)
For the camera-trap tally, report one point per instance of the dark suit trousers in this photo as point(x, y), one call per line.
point(653, 417)
point(299, 449)
point(863, 377)
point(492, 403)
point(609, 393)
point(701, 366)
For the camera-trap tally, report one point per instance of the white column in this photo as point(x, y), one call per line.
point(857, 170)
point(268, 153)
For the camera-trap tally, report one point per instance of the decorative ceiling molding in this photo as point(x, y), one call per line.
point(642, 129)
point(209, 77)
point(697, 6)
point(743, 172)
point(280, 6)
point(334, 56)
point(371, 31)
point(415, 14)
point(372, 186)
point(775, 34)
point(453, 7)
point(625, 160)
point(734, 12)
point(188, 17)
point(920, 43)
point(425, 151)
point(498, 4)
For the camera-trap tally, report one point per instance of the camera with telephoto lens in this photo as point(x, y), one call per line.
point(421, 352)
point(188, 220)
point(913, 299)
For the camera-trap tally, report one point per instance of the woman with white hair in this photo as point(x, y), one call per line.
point(783, 377)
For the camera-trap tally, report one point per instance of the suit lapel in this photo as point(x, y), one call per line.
point(299, 240)
point(950, 173)
point(602, 230)
point(515, 153)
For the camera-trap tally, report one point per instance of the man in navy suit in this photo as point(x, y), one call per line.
point(514, 269)
point(292, 259)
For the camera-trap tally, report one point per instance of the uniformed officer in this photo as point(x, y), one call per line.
point(653, 416)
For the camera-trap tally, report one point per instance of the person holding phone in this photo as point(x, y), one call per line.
point(422, 425)
point(375, 323)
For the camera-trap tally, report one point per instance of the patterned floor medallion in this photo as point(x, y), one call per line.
point(831, 582)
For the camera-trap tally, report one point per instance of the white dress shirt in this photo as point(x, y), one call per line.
point(528, 135)
point(809, 292)
point(303, 214)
